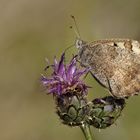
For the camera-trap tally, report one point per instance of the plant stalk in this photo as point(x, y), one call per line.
point(86, 131)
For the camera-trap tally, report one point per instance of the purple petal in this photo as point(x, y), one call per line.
point(58, 78)
point(55, 65)
point(45, 80)
point(52, 90)
point(71, 70)
point(59, 89)
point(80, 73)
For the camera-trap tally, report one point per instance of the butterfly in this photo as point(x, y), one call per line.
point(114, 63)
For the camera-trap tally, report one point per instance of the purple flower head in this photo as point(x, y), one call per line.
point(65, 77)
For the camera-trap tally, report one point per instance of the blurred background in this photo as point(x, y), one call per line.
point(32, 30)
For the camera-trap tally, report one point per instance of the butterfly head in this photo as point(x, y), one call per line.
point(79, 44)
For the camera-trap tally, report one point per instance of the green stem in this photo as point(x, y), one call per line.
point(86, 131)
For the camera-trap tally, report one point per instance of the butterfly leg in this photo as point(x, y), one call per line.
point(101, 79)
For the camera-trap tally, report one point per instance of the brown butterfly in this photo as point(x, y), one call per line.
point(114, 63)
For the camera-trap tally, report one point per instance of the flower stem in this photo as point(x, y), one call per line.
point(86, 131)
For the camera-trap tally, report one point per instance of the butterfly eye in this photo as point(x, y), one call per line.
point(79, 43)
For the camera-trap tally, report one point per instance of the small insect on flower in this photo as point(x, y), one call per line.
point(69, 90)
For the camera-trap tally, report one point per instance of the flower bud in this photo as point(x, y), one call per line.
point(105, 111)
point(72, 108)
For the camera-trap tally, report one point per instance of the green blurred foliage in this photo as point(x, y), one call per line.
point(31, 30)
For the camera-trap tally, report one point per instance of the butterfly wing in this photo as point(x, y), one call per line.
point(115, 65)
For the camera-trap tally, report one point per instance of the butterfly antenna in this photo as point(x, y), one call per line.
point(76, 29)
point(66, 51)
point(69, 48)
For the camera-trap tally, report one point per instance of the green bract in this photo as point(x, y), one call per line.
point(105, 111)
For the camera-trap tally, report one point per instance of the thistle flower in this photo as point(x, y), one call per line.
point(65, 77)
point(69, 91)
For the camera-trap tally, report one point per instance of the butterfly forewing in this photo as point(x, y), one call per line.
point(115, 64)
